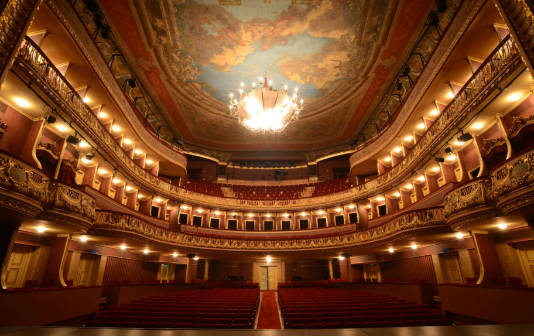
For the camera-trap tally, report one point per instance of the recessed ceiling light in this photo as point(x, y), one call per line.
point(175, 254)
point(149, 161)
point(123, 247)
point(413, 246)
point(351, 206)
point(84, 160)
point(459, 235)
point(83, 239)
point(199, 210)
point(102, 171)
point(341, 257)
point(502, 226)
point(116, 181)
point(61, 128)
point(339, 209)
point(459, 143)
point(409, 186)
point(195, 258)
point(128, 188)
point(391, 250)
point(41, 229)
point(102, 115)
point(514, 97)
point(434, 112)
point(169, 208)
point(86, 99)
point(397, 150)
point(158, 200)
point(286, 215)
point(22, 102)
point(184, 207)
point(387, 158)
point(138, 151)
point(139, 196)
point(250, 215)
point(320, 212)
point(303, 214)
point(380, 199)
point(408, 138)
point(268, 215)
point(451, 157)
point(421, 126)
point(115, 128)
point(450, 94)
point(478, 125)
point(397, 194)
point(217, 213)
point(269, 259)
point(127, 141)
point(84, 144)
point(436, 169)
point(145, 251)
point(421, 178)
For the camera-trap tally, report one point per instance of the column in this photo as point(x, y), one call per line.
point(330, 269)
point(101, 268)
point(283, 271)
point(188, 270)
point(17, 15)
point(518, 17)
point(221, 172)
point(8, 233)
point(56, 260)
point(490, 267)
point(206, 269)
point(437, 268)
point(349, 268)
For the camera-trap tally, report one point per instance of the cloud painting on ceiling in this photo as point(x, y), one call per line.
point(325, 47)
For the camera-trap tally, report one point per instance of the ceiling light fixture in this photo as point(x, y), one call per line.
point(83, 239)
point(123, 247)
point(269, 260)
point(145, 251)
point(115, 128)
point(391, 250)
point(502, 226)
point(341, 257)
point(102, 115)
point(195, 258)
point(22, 102)
point(61, 128)
point(408, 138)
point(434, 112)
point(175, 254)
point(514, 97)
point(264, 109)
point(478, 125)
point(397, 150)
point(127, 141)
point(459, 235)
point(41, 229)
point(414, 246)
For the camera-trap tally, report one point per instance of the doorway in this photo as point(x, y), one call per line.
point(85, 269)
point(450, 267)
point(268, 278)
point(18, 264)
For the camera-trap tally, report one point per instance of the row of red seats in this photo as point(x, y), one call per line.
point(317, 308)
point(147, 282)
point(202, 308)
point(331, 187)
point(204, 187)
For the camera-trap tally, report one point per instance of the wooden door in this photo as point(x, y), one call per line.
point(453, 267)
point(264, 278)
point(17, 266)
point(526, 255)
point(85, 269)
point(273, 278)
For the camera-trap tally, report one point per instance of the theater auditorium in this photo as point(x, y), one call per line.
point(266, 167)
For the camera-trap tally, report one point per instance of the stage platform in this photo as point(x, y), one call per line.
point(486, 330)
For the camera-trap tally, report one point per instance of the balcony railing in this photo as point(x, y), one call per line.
point(501, 61)
point(413, 223)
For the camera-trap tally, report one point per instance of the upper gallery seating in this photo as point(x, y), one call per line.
point(204, 187)
point(220, 308)
point(317, 308)
point(331, 187)
point(268, 192)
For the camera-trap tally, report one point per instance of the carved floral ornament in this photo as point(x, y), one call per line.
point(411, 223)
point(493, 192)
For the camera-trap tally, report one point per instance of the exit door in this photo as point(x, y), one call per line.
point(268, 278)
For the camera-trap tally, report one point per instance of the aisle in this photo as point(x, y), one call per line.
point(269, 317)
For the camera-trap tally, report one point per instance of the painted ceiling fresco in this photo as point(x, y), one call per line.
point(328, 48)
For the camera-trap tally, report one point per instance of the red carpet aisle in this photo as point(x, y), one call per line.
point(269, 317)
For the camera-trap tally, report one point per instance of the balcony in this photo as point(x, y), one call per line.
point(420, 222)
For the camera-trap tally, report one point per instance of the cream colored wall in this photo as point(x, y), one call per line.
point(510, 262)
point(256, 270)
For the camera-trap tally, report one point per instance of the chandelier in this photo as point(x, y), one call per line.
point(264, 109)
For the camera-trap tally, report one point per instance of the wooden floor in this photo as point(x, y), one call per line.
point(487, 330)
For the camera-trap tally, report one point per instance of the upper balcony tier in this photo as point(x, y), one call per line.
point(494, 71)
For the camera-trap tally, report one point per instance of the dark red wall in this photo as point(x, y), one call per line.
point(134, 270)
point(405, 269)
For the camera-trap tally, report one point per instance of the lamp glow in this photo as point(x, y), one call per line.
point(397, 150)
point(269, 260)
point(145, 251)
point(21, 102)
point(102, 115)
point(41, 229)
point(414, 246)
point(195, 258)
point(127, 141)
point(341, 257)
point(408, 138)
point(115, 128)
point(502, 226)
point(459, 235)
point(123, 247)
point(83, 239)
point(175, 254)
point(391, 250)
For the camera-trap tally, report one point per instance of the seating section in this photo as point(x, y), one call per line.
point(331, 187)
point(219, 308)
point(327, 308)
point(288, 192)
point(203, 187)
